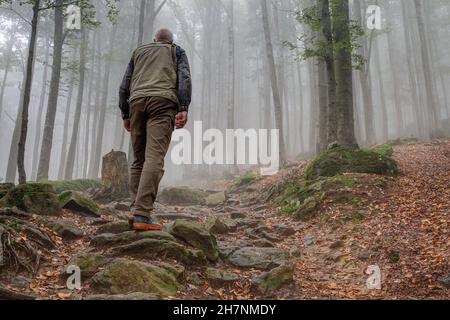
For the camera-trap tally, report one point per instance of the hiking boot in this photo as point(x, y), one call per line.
point(140, 223)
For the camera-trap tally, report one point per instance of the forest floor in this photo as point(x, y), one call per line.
point(400, 224)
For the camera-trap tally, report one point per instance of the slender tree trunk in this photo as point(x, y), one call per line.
point(63, 157)
point(47, 140)
point(433, 107)
point(274, 81)
point(27, 94)
point(344, 80)
point(37, 136)
point(384, 116)
point(8, 60)
point(68, 174)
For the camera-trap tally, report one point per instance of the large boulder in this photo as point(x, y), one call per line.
point(182, 196)
point(75, 201)
point(259, 258)
point(339, 159)
point(89, 263)
point(154, 248)
point(124, 276)
point(274, 279)
point(110, 239)
point(37, 198)
point(80, 185)
point(197, 236)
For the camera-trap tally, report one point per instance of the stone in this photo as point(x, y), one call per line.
point(109, 239)
point(232, 225)
point(182, 196)
point(176, 216)
point(114, 227)
point(274, 279)
point(284, 230)
point(153, 248)
point(37, 198)
point(197, 236)
point(122, 206)
point(89, 263)
point(123, 276)
point(445, 281)
point(238, 215)
point(337, 244)
point(220, 278)
point(225, 252)
point(309, 240)
point(75, 201)
point(216, 226)
point(20, 282)
point(264, 243)
point(215, 199)
point(66, 229)
point(259, 258)
point(135, 296)
point(295, 252)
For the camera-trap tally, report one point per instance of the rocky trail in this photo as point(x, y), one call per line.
point(249, 242)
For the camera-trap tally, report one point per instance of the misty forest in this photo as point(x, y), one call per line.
point(358, 89)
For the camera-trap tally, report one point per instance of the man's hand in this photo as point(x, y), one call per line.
point(181, 120)
point(127, 125)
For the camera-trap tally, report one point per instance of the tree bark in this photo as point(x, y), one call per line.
point(27, 94)
point(274, 81)
point(68, 174)
point(47, 140)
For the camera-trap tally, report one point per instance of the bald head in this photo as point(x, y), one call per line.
point(164, 35)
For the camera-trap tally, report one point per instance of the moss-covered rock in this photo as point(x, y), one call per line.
point(114, 227)
point(182, 196)
point(4, 188)
point(220, 278)
point(259, 258)
point(37, 198)
point(384, 149)
point(89, 263)
point(80, 185)
point(154, 248)
point(66, 229)
point(339, 160)
point(75, 201)
point(124, 276)
point(197, 236)
point(215, 199)
point(216, 226)
point(135, 296)
point(110, 239)
point(274, 279)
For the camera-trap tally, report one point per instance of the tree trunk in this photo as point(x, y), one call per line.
point(344, 80)
point(274, 81)
point(76, 123)
point(27, 94)
point(8, 60)
point(37, 136)
point(47, 139)
point(63, 157)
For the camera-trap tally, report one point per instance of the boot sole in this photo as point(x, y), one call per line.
point(146, 227)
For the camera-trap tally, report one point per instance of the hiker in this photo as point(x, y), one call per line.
point(155, 95)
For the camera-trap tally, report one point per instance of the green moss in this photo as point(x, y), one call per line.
point(75, 185)
point(339, 160)
point(38, 198)
point(384, 149)
point(247, 178)
point(78, 202)
point(4, 188)
point(394, 256)
point(182, 196)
